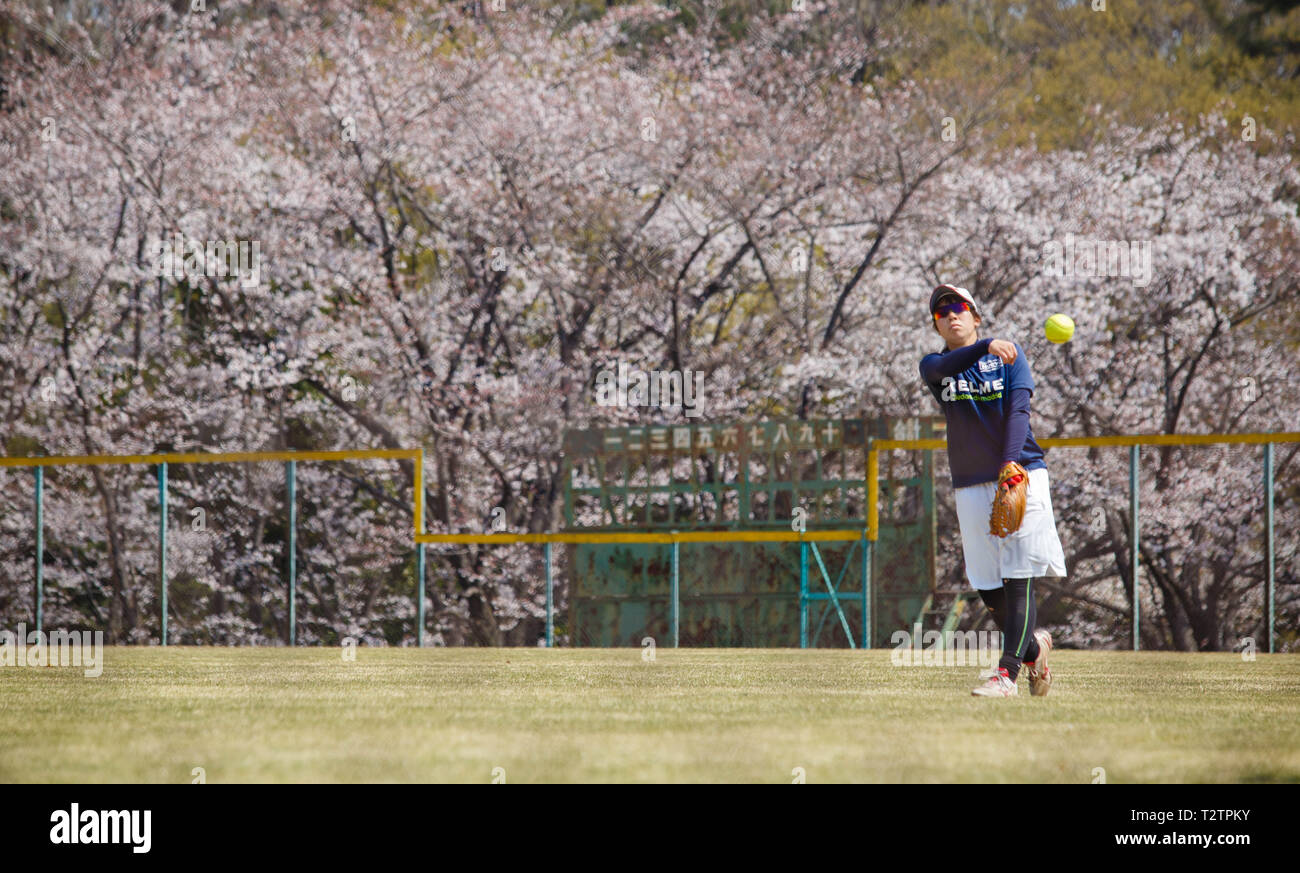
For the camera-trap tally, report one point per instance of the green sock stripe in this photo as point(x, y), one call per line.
point(1020, 647)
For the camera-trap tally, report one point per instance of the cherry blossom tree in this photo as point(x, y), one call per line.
point(462, 215)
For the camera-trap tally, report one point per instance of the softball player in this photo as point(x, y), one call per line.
point(984, 388)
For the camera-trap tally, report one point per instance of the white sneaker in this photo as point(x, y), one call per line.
point(1040, 678)
point(999, 685)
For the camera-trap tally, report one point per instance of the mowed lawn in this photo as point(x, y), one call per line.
point(608, 715)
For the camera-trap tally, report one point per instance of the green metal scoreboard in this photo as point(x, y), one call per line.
point(734, 477)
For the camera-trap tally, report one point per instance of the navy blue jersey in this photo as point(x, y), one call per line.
point(986, 403)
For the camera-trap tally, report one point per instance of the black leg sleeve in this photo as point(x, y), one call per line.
point(1018, 643)
point(995, 599)
point(1031, 647)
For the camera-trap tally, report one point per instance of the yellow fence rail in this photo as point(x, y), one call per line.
point(694, 536)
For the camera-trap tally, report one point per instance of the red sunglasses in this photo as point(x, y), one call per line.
point(948, 308)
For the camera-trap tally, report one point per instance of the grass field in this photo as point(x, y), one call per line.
point(606, 715)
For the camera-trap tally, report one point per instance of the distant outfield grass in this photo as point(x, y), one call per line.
point(606, 715)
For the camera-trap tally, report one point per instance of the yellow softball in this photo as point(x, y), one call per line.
point(1060, 328)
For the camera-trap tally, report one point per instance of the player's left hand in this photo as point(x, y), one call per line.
point(1009, 500)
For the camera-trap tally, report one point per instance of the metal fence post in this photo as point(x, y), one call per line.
point(550, 601)
point(162, 542)
point(803, 594)
point(419, 593)
point(873, 527)
point(40, 547)
point(866, 591)
point(290, 472)
point(417, 486)
point(1268, 535)
point(676, 595)
point(1133, 546)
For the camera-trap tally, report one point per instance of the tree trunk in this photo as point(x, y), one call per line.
point(117, 612)
point(483, 624)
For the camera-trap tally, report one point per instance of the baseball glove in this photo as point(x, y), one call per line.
point(1009, 500)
